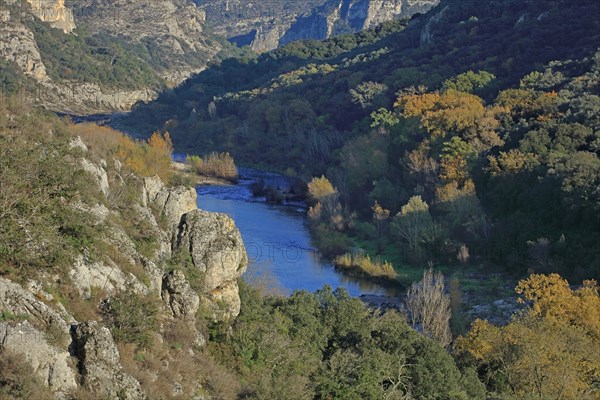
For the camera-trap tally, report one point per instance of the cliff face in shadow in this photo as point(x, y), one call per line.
point(268, 26)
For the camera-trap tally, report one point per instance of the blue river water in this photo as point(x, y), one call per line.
point(277, 240)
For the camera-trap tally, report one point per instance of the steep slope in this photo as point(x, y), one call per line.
point(93, 256)
point(88, 57)
point(266, 26)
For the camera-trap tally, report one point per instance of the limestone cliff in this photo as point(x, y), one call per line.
point(68, 352)
point(171, 32)
point(174, 29)
point(269, 26)
point(54, 12)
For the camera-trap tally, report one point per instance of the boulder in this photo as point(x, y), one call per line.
point(216, 249)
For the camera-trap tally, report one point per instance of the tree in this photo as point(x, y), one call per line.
point(380, 215)
point(469, 81)
point(319, 188)
point(429, 307)
point(367, 92)
point(412, 222)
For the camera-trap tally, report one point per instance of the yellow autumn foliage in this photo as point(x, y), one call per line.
point(551, 350)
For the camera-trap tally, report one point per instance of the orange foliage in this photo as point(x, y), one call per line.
point(441, 114)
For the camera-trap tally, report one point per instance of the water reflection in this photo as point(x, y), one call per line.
point(277, 241)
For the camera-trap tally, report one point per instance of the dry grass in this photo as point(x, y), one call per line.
point(364, 264)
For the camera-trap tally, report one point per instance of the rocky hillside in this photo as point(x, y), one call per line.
point(268, 25)
point(96, 261)
point(85, 57)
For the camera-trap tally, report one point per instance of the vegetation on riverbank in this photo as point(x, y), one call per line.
point(217, 165)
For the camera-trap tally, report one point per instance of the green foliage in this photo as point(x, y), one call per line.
point(328, 345)
point(36, 181)
point(470, 82)
point(132, 318)
point(503, 146)
point(105, 60)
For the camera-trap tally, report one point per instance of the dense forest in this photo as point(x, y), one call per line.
point(469, 134)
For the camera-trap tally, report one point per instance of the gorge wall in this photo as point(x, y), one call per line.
point(267, 26)
point(69, 352)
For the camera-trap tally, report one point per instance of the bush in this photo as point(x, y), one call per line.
point(132, 318)
point(18, 380)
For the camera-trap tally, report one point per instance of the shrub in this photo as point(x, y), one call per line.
point(18, 380)
point(132, 318)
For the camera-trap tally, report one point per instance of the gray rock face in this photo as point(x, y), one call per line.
point(175, 27)
point(48, 362)
point(97, 172)
point(170, 202)
point(18, 45)
point(54, 12)
point(99, 364)
point(217, 250)
point(110, 278)
point(18, 301)
point(267, 26)
point(179, 297)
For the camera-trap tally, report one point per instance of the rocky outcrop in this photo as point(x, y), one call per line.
point(48, 362)
point(35, 325)
point(172, 203)
point(181, 47)
point(18, 45)
point(100, 366)
point(54, 12)
point(110, 279)
point(17, 301)
point(216, 249)
point(179, 297)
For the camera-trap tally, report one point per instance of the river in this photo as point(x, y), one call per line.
point(276, 237)
point(277, 240)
